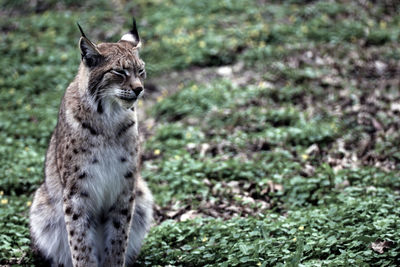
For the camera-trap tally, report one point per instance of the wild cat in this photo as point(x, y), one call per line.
point(93, 208)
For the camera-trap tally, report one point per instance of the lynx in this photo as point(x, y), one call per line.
point(93, 208)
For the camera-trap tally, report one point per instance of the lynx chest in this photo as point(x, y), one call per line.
point(110, 172)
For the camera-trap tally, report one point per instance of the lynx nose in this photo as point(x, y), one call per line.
point(136, 85)
point(138, 90)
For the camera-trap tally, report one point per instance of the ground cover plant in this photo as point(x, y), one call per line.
point(271, 130)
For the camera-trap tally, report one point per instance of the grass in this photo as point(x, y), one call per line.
point(290, 161)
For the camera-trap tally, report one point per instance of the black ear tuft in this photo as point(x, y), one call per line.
point(134, 31)
point(132, 36)
point(80, 29)
point(90, 54)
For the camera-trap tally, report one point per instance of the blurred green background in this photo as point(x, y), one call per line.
point(271, 128)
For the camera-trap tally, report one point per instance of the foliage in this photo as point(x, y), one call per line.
point(337, 234)
point(291, 161)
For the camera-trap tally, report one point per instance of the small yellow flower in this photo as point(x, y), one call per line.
point(51, 33)
point(157, 152)
point(301, 228)
point(159, 99)
point(304, 29)
point(64, 57)
point(177, 157)
point(253, 33)
point(370, 22)
point(304, 156)
point(258, 263)
point(4, 201)
point(202, 44)
point(265, 28)
point(24, 45)
point(29, 203)
point(188, 135)
point(200, 31)
point(294, 239)
point(194, 87)
point(262, 84)
point(177, 31)
point(204, 239)
point(140, 103)
point(383, 24)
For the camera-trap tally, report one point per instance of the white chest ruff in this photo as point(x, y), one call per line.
point(106, 179)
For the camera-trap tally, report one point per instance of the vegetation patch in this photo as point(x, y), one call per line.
point(273, 139)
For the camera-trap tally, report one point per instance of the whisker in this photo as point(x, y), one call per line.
point(102, 95)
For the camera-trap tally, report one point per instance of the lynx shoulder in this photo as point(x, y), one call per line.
point(93, 208)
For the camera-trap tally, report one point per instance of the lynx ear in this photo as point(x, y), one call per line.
point(132, 36)
point(90, 54)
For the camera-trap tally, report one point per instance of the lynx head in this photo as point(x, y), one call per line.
point(114, 71)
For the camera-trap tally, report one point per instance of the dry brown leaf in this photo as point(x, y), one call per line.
point(234, 186)
point(275, 187)
point(191, 214)
point(172, 213)
point(379, 246)
point(203, 149)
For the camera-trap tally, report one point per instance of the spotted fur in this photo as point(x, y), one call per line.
point(93, 208)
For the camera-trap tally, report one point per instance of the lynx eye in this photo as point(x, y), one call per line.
point(122, 72)
point(142, 73)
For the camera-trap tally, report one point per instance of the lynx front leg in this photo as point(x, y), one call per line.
point(117, 229)
point(80, 231)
